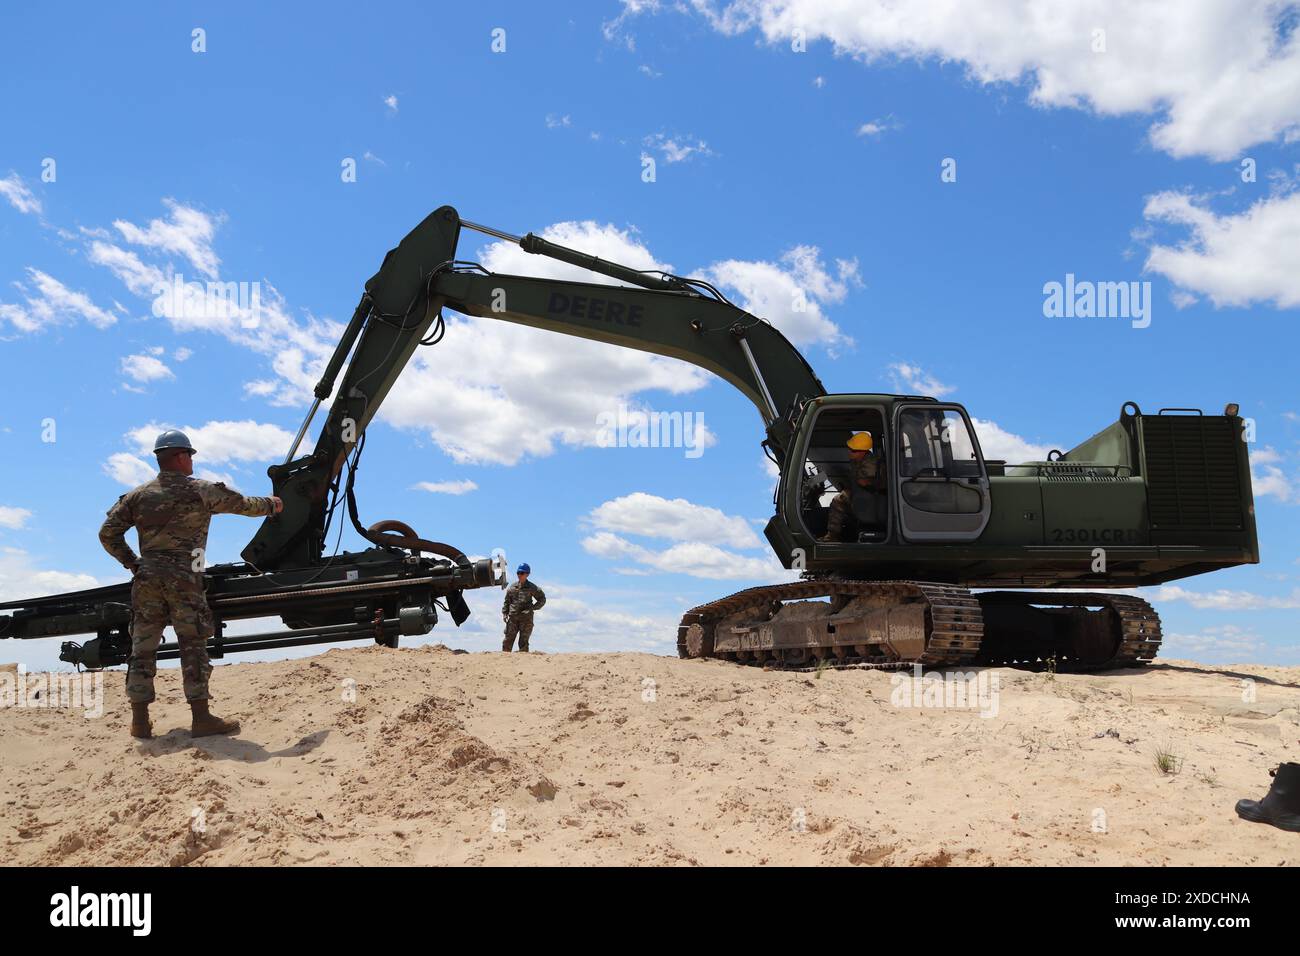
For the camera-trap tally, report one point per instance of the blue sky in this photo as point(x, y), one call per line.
point(775, 169)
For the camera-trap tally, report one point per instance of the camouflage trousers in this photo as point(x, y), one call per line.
point(162, 595)
point(841, 522)
point(839, 518)
point(520, 625)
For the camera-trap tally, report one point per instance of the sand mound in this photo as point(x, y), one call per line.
point(374, 756)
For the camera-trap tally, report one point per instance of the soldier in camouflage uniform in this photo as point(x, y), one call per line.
point(171, 515)
point(868, 476)
point(522, 599)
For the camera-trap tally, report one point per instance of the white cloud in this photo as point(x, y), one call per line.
point(694, 527)
point(1224, 599)
point(182, 353)
point(20, 197)
point(675, 519)
point(187, 232)
point(17, 317)
point(220, 442)
point(676, 148)
point(1235, 260)
point(20, 577)
point(698, 559)
point(878, 127)
point(390, 101)
point(145, 368)
point(998, 444)
point(126, 469)
point(461, 487)
point(1267, 478)
point(51, 303)
point(473, 390)
point(1214, 642)
point(216, 443)
point(1216, 76)
point(914, 380)
point(13, 518)
point(791, 295)
point(554, 122)
point(297, 349)
point(138, 277)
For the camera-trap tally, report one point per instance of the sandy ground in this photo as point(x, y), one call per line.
point(429, 756)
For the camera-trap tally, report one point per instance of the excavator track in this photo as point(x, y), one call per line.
point(889, 624)
point(1077, 630)
point(866, 624)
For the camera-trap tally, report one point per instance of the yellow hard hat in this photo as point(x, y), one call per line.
point(860, 442)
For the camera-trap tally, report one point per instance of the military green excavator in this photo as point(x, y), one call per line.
point(1149, 499)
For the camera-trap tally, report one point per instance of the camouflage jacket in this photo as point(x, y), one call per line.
point(868, 473)
point(170, 515)
point(523, 599)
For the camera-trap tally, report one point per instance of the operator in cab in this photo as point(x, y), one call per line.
point(867, 478)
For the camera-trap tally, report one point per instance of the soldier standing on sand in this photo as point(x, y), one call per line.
point(171, 515)
point(522, 599)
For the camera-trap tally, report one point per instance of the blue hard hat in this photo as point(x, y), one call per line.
point(172, 439)
point(523, 569)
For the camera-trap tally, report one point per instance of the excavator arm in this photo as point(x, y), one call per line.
point(664, 314)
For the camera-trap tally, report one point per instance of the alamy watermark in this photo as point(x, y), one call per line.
point(1083, 299)
point(53, 691)
point(959, 690)
point(209, 300)
point(629, 428)
point(130, 910)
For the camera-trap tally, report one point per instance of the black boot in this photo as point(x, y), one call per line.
point(1281, 806)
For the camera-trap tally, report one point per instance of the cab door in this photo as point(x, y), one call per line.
point(939, 473)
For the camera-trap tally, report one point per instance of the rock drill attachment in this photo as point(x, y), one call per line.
point(379, 593)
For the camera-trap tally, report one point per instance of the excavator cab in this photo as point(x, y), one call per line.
point(830, 473)
point(925, 480)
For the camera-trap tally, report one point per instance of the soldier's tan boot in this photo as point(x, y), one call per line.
point(206, 724)
point(140, 726)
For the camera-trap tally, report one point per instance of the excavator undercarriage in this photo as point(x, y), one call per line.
point(843, 623)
